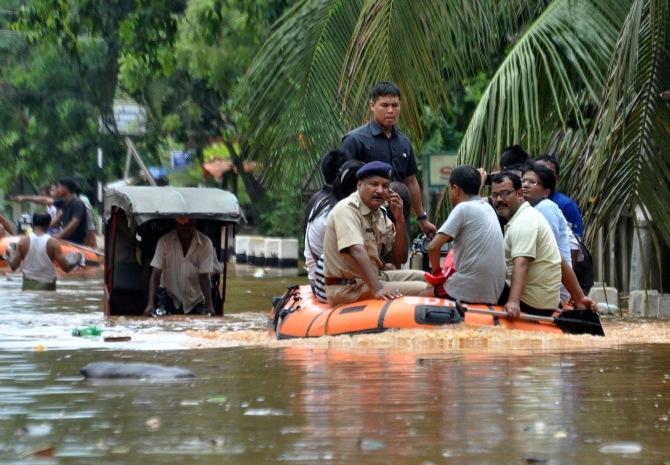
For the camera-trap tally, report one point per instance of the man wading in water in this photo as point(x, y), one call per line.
point(38, 252)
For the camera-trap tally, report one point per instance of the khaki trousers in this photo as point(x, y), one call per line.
point(409, 282)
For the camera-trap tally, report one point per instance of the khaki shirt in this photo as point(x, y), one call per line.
point(180, 273)
point(528, 234)
point(351, 222)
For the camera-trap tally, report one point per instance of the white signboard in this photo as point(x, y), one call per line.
point(439, 169)
point(131, 119)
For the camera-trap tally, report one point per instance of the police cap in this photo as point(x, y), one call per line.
point(374, 168)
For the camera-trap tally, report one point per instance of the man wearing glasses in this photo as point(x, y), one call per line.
point(535, 267)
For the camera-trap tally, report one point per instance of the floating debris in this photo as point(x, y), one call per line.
point(43, 451)
point(621, 448)
point(370, 445)
point(41, 429)
point(116, 338)
point(115, 370)
point(153, 423)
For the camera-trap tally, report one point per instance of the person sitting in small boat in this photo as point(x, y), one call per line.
point(479, 256)
point(535, 268)
point(568, 206)
point(37, 254)
point(538, 182)
point(360, 238)
point(180, 275)
point(317, 210)
point(343, 185)
point(512, 158)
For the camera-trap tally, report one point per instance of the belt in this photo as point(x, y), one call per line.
point(339, 281)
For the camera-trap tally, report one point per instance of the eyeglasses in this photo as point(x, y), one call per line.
point(501, 194)
point(531, 182)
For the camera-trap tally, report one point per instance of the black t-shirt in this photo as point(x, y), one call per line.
point(75, 209)
point(369, 143)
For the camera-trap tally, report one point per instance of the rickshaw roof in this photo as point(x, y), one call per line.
point(145, 203)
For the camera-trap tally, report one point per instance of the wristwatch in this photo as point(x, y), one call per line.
point(423, 216)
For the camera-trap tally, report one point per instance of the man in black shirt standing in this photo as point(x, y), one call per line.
point(380, 140)
point(73, 220)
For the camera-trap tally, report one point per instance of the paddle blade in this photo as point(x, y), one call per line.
point(580, 322)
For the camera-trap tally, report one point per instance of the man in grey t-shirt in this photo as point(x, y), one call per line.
point(479, 256)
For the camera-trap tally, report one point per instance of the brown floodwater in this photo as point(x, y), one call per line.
point(454, 395)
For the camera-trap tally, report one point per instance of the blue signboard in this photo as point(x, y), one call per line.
point(180, 158)
point(158, 172)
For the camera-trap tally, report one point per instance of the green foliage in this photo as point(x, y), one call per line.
point(444, 130)
point(70, 59)
point(215, 41)
point(48, 128)
point(216, 151)
point(553, 69)
point(280, 214)
point(59, 80)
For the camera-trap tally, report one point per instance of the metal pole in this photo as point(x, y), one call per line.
point(222, 289)
point(600, 266)
point(623, 253)
point(611, 252)
point(425, 190)
point(101, 183)
point(126, 170)
point(139, 161)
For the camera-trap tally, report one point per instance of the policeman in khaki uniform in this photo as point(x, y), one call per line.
point(361, 240)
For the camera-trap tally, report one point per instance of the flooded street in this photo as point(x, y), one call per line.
point(454, 395)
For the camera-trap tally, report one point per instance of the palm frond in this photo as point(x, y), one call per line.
point(308, 84)
point(627, 163)
point(289, 97)
point(560, 61)
point(423, 45)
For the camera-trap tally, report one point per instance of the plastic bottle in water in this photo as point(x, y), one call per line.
point(87, 331)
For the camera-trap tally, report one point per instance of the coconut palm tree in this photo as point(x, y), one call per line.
point(581, 78)
point(625, 162)
point(308, 84)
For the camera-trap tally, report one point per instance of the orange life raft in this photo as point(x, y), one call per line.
point(300, 314)
point(92, 257)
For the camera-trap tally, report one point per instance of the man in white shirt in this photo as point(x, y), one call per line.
point(181, 268)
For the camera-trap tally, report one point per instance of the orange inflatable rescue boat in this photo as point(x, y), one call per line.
point(92, 257)
point(299, 314)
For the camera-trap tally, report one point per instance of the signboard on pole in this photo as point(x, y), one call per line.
point(439, 168)
point(130, 118)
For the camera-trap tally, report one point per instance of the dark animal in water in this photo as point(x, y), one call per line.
point(116, 370)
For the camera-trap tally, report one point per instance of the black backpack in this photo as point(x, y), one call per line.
point(584, 269)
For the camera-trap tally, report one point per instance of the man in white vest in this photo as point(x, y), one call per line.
point(38, 252)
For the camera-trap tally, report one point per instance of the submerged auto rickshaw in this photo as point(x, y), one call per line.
point(137, 216)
